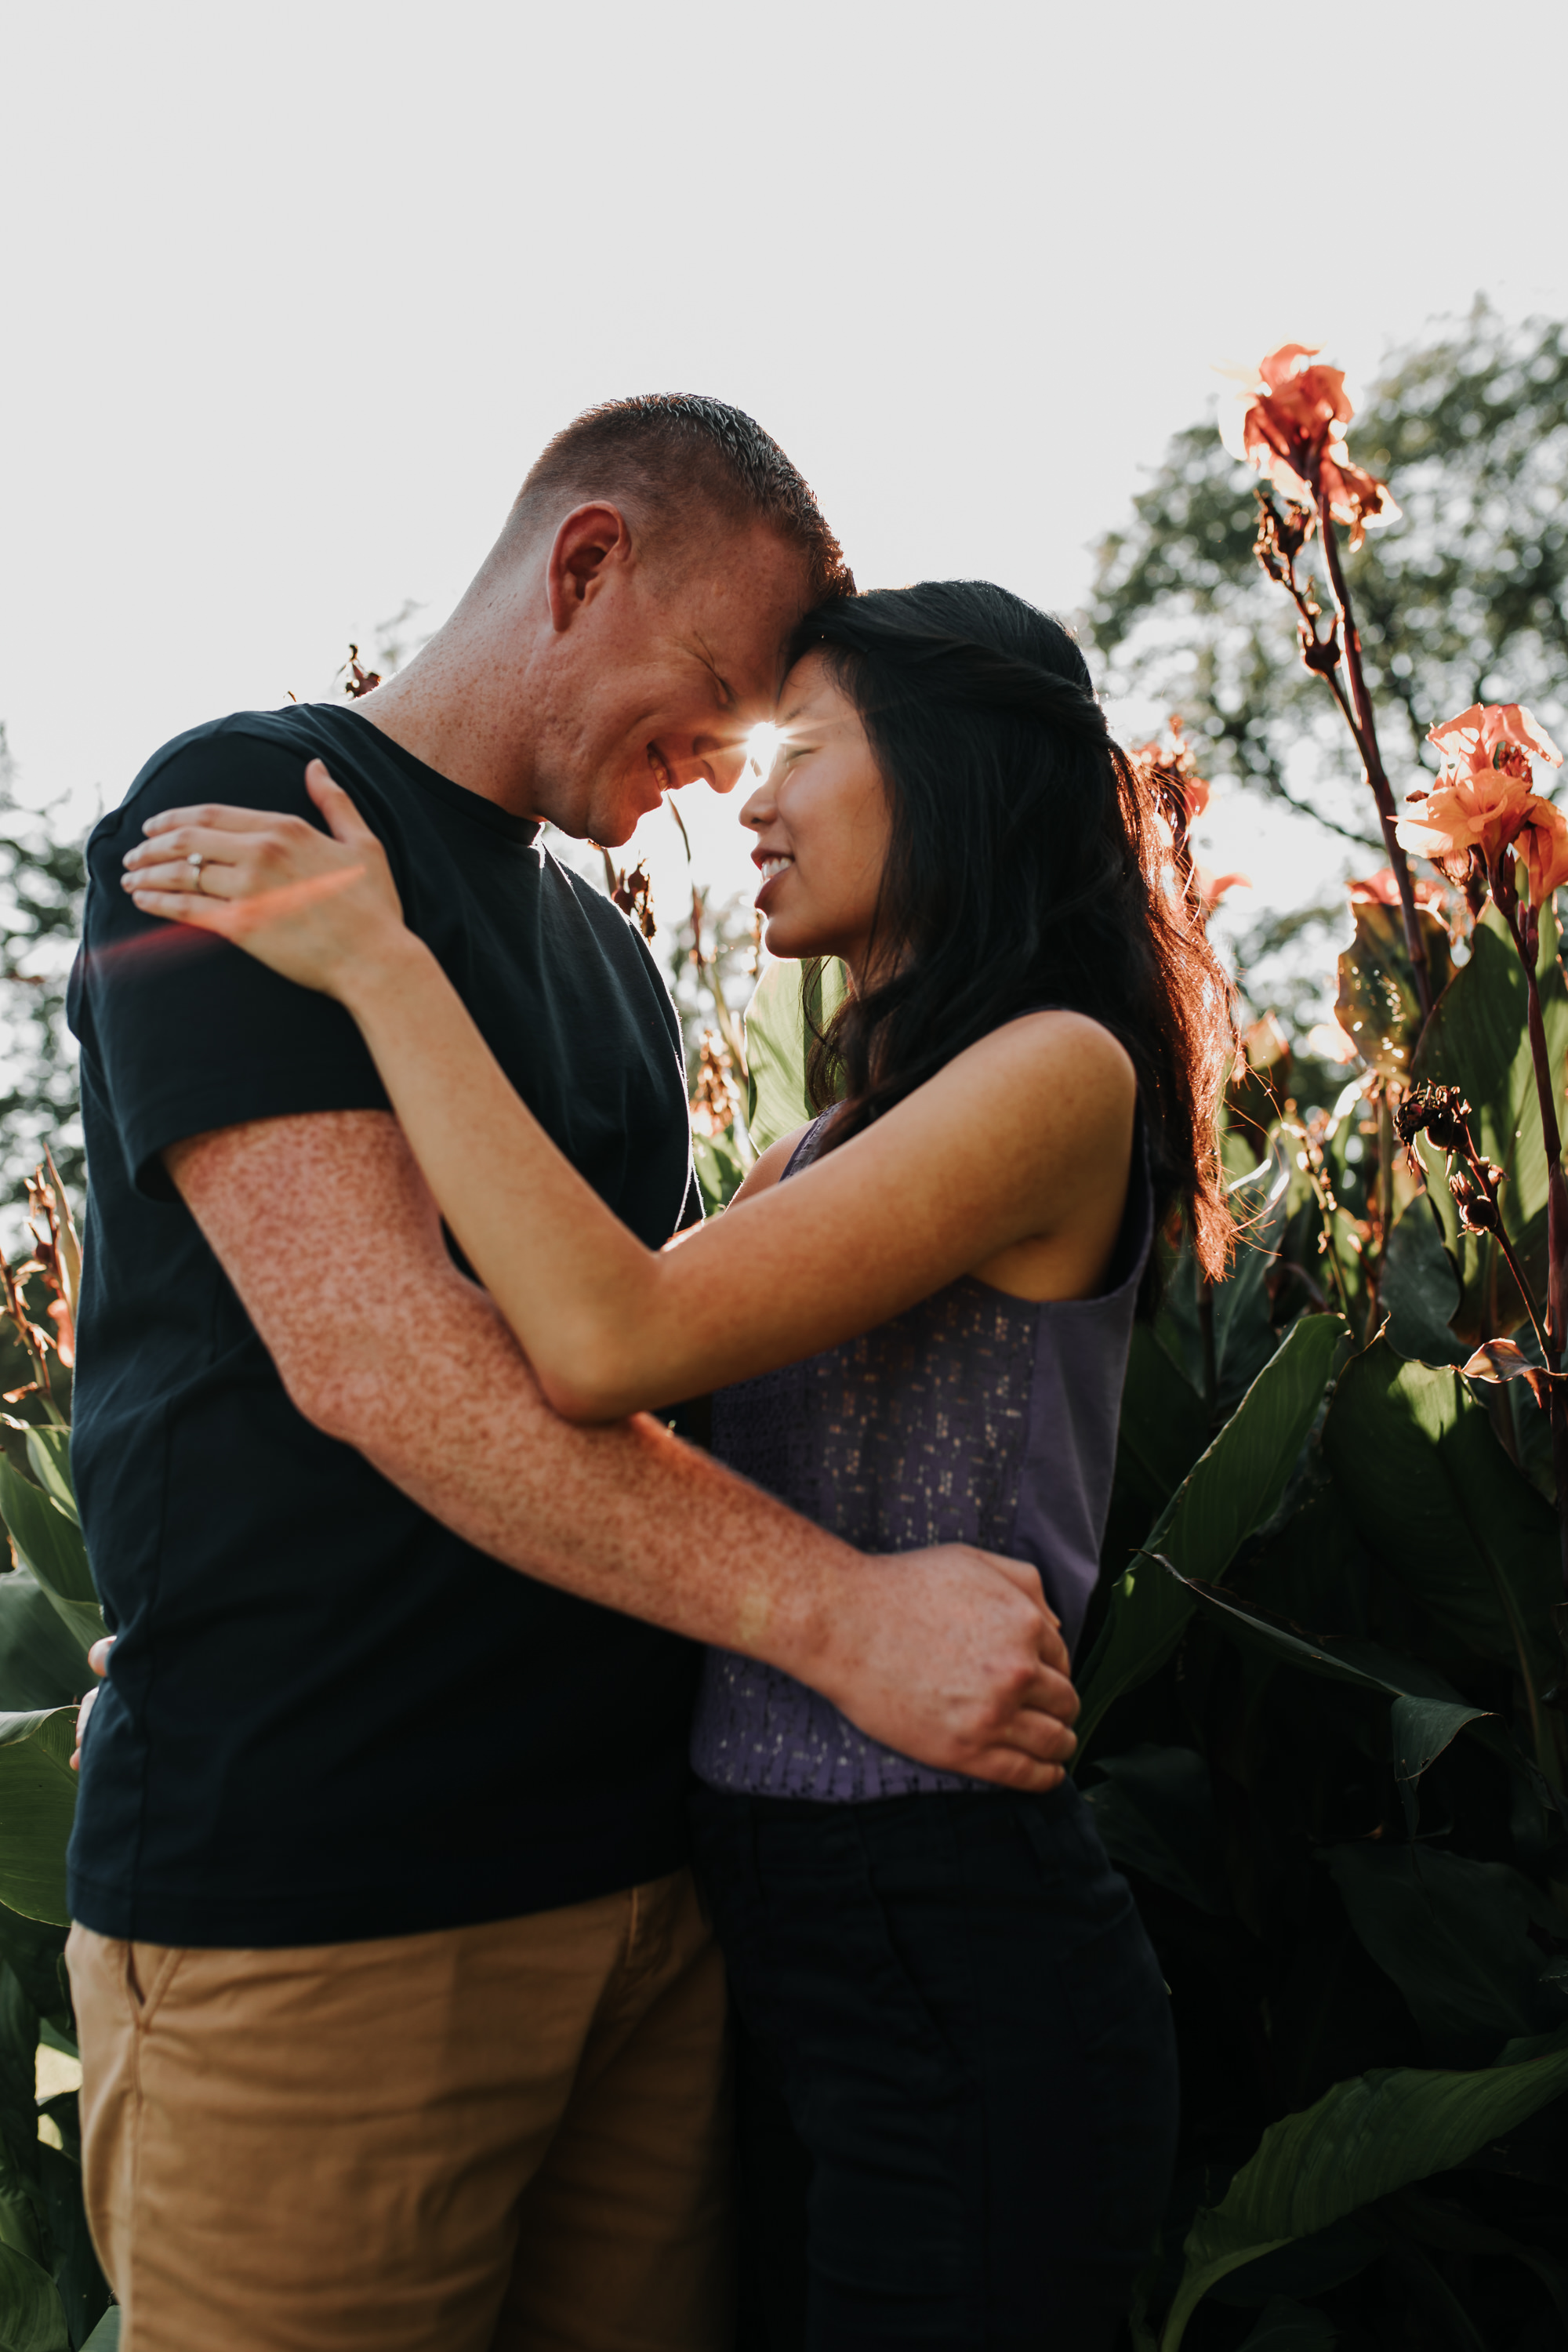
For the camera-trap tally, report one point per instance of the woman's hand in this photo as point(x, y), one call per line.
point(313, 907)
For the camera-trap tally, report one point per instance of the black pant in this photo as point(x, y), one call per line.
point(957, 2076)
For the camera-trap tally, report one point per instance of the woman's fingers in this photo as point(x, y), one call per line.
point(194, 908)
point(212, 814)
point(336, 805)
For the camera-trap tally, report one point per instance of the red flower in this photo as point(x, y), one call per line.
point(1290, 429)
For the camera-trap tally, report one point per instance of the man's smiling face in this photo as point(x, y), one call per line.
point(661, 672)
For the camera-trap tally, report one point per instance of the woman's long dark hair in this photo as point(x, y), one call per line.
point(1030, 865)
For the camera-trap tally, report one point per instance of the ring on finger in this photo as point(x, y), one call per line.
point(195, 861)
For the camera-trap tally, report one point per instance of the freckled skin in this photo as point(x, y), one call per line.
point(385, 1345)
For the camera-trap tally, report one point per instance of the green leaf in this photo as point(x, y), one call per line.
point(41, 1661)
point(34, 1950)
point(78, 2281)
point(32, 2317)
point(105, 2337)
point(1362, 2140)
point(1240, 1308)
point(720, 1170)
point(1420, 1288)
point(1234, 1488)
point(1435, 1496)
point(1163, 1427)
point(49, 1453)
point(38, 1804)
point(776, 1044)
point(1378, 1003)
point(1478, 1038)
point(48, 1539)
point(1426, 1715)
point(1155, 1809)
point(1453, 1935)
point(1288, 2327)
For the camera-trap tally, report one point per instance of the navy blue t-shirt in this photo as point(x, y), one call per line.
point(328, 1716)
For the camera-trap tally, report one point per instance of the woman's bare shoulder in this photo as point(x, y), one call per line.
point(770, 1165)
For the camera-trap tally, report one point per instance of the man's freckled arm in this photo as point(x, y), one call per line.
point(388, 1347)
point(330, 1237)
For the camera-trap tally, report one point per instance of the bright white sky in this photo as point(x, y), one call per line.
point(294, 293)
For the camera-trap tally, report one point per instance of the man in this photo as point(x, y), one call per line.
point(400, 2024)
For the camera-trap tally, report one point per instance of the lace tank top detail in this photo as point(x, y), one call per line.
point(974, 1418)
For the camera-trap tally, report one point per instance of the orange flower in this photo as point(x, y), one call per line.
point(1494, 734)
point(1290, 427)
point(1483, 798)
point(1481, 811)
point(1543, 845)
point(1380, 889)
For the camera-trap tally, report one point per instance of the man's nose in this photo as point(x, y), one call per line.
point(726, 765)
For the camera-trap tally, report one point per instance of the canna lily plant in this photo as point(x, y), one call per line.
point(1324, 1723)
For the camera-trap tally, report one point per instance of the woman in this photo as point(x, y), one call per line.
point(957, 2083)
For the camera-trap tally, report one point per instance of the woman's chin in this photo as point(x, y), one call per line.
point(789, 943)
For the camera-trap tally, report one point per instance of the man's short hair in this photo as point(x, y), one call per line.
point(665, 454)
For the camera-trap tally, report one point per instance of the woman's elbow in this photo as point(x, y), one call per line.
point(587, 1383)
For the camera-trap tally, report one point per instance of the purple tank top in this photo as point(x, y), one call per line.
point(973, 1418)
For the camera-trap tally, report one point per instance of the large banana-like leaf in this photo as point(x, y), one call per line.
point(776, 1044)
point(32, 2318)
point(1362, 2140)
point(1288, 2327)
point(1454, 1936)
point(49, 1453)
point(1378, 1003)
point(1428, 1713)
point(48, 1538)
point(1478, 1039)
point(1438, 1500)
point(41, 1660)
point(37, 1805)
point(1232, 1489)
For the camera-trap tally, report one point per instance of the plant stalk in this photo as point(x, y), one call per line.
point(1363, 728)
point(1526, 938)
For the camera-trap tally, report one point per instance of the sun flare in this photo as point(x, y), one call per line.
point(761, 749)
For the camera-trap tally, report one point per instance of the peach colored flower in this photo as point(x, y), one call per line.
point(1494, 734)
point(1290, 427)
point(1482, 811)
point(1484, 799)
point(1380, 889)
point(1543, 845)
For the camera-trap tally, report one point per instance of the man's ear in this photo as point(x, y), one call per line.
point(590, 546)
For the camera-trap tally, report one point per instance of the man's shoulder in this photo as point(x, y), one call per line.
point(255, 758)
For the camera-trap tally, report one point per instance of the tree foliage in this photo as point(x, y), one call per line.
point(41, 884)
point(1464, 601)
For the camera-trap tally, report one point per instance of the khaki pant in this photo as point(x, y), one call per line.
point(504, 2138)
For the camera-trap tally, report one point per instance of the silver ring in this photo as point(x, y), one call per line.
point(195, 861)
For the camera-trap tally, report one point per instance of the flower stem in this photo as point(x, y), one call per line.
point(1362, 726)
point(1527, 941)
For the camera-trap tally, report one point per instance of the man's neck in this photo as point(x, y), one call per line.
point(445, 710)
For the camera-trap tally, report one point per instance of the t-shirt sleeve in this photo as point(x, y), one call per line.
point(190, 1033)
